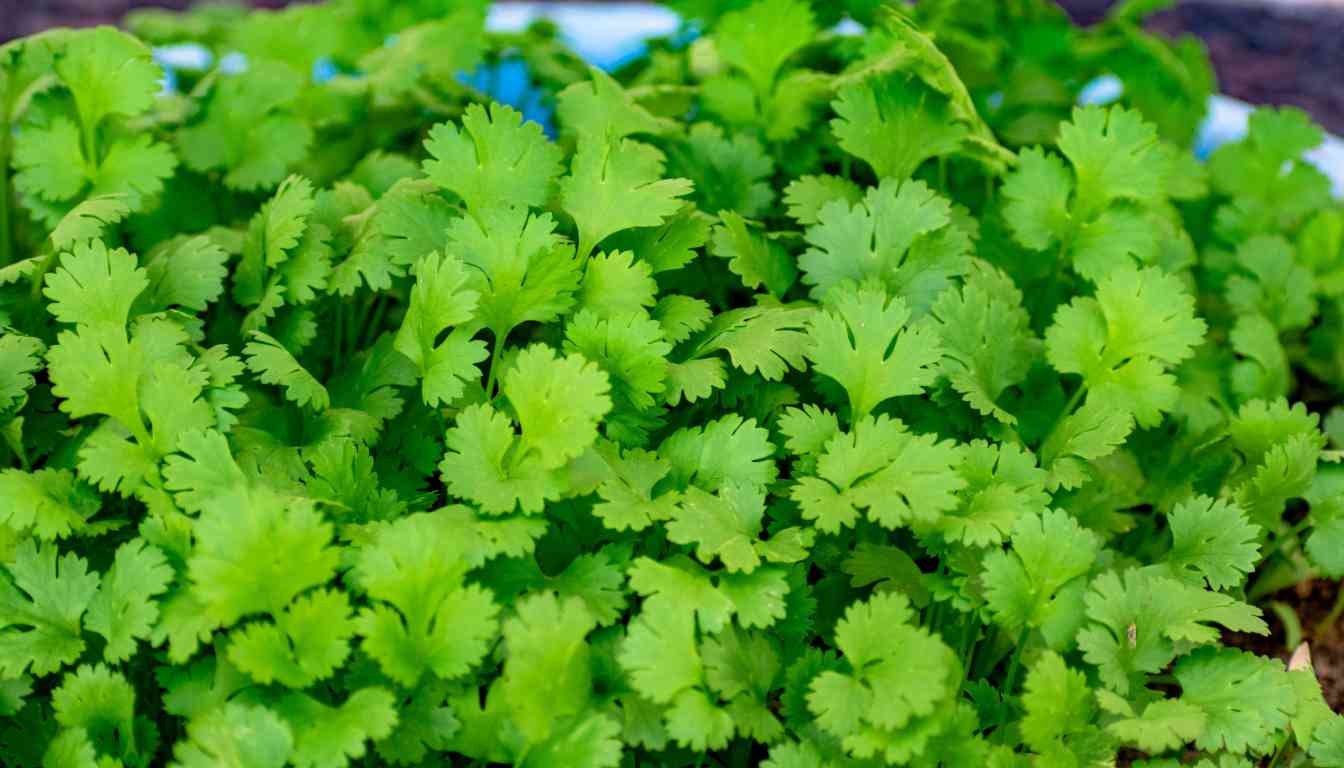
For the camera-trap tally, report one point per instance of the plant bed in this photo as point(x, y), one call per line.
point(780, 398)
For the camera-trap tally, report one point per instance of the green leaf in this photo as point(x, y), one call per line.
point(547, 673)
point(1141, 622)
point(537, 384)
point(1122, 341)
point(440, 301)
point(124, 610)
point(730, 173)
point(725, 525)
point(423, 618)
point(309, 640)
point(1059, 706)
point(522, 270)
point(862, 342)
point(617, 184)
point(497, 158)
point(761, 38)
point(42, 599)
point(902, 233)
point(728, 450)
point(274, 364)
point(807, 195)
point(897, 477)
point(1049, 551)
point(50, 502)
point(1163, 725)
point(601, 107)
point(1245, 698)
point(987, 342)
point(894, 123)
point(330, 737)
point(235, 735)
point(1213, 541)
point(1114, 157)
point(897, 672)
point(758, 260)
point(258, 558)
point(87, 220)
point(109, 73)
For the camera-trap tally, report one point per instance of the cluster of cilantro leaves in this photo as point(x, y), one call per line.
point(792, 399)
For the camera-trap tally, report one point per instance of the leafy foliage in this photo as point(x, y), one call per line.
point(790, 399)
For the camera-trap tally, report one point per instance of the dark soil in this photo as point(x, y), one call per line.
point(1264, 53)
point(1311, 601)
point(24, 17)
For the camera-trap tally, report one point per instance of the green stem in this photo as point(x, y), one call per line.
point(6, 247)
point(496, 355)
point(1010, 682)
point(1278, 752)
point(339, 331)
point(376, 321)
point(1064, 414)
point(1327, 624)
point(970, 644)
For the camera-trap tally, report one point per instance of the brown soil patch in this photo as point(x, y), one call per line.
point(1311, 601)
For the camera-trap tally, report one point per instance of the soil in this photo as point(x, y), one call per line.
point(24, 17)
point(1263, 52)
point(1311, 601)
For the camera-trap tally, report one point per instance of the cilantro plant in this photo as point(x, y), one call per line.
point(789, 398)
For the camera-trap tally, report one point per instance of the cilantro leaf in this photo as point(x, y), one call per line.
point(1049, 551)
point(257, 559)
point(617, 184)
point(425, 617)
point(902, 233)
point(898, 477)
point(497, 157)
point(439, 301)
point(42, 599)
point(1244, 698)
point(274, 364)
point(895, 123)
point(124, 611)
point(308, 641)
point(987, 342)
point(51, 503)
point(861, 341)
point(760, 38)
point(1212, 540)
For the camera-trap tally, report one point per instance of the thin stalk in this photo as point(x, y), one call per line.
point(6, 247)
point(970, 644)
point(376, 321)
point(496, 356)
point(1327, 624)
point(339, 331)
point(1064, 415)
point(1278, 752)
point(1010, 682)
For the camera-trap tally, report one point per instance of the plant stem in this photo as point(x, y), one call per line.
point(6, 247)
point(375, 321)
point(1278, 752)
point(339, 331)
point(1326, 625)
point(1064, 414)
point(1010, 682)
point(495, 356)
